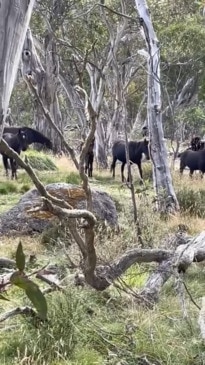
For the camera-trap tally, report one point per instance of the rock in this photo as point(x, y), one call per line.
point(24, 219)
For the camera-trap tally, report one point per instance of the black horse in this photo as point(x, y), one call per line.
point(89, 158)
point(18, 142)
point(136, 149)
point(196, 144)
point(32, 136)
point(194, 160)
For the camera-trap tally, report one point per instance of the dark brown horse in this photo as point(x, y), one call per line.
point(18, 142)
point(136, 149)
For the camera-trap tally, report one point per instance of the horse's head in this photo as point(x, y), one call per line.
point(145, 148)
point(23, 138)
point(196, 143)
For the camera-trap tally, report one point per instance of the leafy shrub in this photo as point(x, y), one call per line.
point(191, 201)
point(40, 161)
point(7, 187)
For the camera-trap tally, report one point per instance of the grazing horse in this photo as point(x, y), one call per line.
point(89, 157)
point(136, 149)
point(32, 135)
point(18, 142)
point(194, 160)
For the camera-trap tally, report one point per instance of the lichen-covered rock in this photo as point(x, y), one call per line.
point(25, 219)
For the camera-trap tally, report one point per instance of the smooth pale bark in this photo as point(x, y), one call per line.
point(14, 20)
point(46, 80)
point(165, 195)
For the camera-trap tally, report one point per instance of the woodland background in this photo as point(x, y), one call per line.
point(92, 45)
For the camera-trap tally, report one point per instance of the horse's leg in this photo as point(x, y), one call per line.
point(5, 163)
point(112, 167)
point(122, 171)
point(86, 165)
point(181, 168)
point(15, 169)
point(128, 178)
point(191, 173)
point(91, 169)
point(140, 171)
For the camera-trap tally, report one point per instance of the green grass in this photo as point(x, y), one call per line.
point(87, 327)
point(40, 161)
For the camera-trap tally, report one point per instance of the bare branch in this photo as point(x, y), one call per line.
point(25, 311)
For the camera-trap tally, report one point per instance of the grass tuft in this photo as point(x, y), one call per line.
point(192, 201)
point(8, 187)
point(40, 161)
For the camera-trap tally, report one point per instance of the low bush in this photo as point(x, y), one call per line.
point(192, 201)
point(73, 178)
point(40, 161)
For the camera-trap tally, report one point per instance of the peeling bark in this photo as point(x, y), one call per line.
point(14, 20)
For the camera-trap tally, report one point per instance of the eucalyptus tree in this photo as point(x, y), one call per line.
point(181, 31)
point(14, 20)
point(165, 195)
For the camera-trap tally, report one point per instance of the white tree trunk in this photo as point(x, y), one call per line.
point(14, 20)
point(165, 194)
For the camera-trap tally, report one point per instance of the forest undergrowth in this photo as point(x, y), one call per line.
point(86, 327)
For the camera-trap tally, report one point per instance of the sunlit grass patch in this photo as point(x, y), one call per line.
point(40, 161)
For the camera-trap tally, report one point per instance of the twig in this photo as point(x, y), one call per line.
point(190, 296)
point(26, 311)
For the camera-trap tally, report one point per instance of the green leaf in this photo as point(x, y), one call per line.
point(20, 257)
point(3, 298)
point(37, 298)
point(32, 291)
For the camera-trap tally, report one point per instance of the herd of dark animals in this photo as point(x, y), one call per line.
point(193, 157)
point(19, 138)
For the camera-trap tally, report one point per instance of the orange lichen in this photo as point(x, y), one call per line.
point(72, 196)
point(41, 214)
